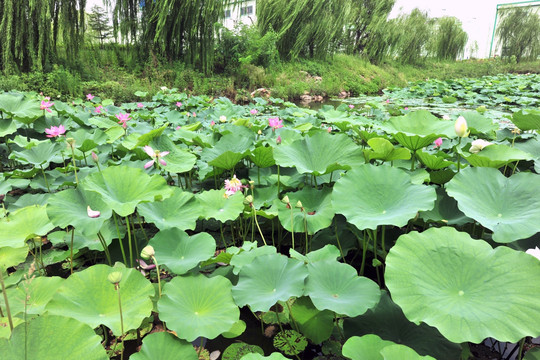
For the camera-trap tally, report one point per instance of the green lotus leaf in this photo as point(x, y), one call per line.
point(195, 306)
point(372, 347)
point(479, 124)
point(21, 108)
point(401, 352)
point(263, 156)
point(123, 187)
point(70, 208)
point(178, 160)
point(40, 155)
point(290, 342)
point(215, 205)
point(5, 331)
point(165, 346)
point(528, 119)
point(181, 211)
point(448, 280)
point(22, 224)
point(181, 252)
point(337, 287)
point(314, 324)
point(228, 151)
point(10, 256)
point(328, 252)
point(384, 150)
point(268, 279)
point(272, 356)
point(497, 156)
point(50, 337)
point(507, 206)
point(236, 330)
point(238, 350)
point(37, 293)
point(90, 298)
point(86, 140)
point(242, 258)
point(319, 154)
point(445, 210)
point(532, 354)
point(388, 321)
point(7, 127)
point(317, 206)
point(370, 196)
point(433, 162)
point(90, 241)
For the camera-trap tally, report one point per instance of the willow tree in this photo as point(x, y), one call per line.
point(519, 33)
point(415, 31)
point(313, 28)
point(29, 37)
point(368, 18)
point(450, 38)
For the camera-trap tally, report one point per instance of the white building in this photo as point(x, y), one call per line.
point(240, 12)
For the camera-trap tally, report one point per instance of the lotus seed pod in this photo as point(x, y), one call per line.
point(285, 199)
point(248, 200)
point(148, 252)
point(115, 277)
point(299, 204)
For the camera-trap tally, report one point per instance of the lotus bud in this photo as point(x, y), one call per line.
point(299, 204)
point(461, 127)
point(70, 142)
point(115, 277)
point(223, 118)
point(259, 132)
point(285, 200)
point(248, 200)
point(148, 252)
point(95, 157)
point(252, 184)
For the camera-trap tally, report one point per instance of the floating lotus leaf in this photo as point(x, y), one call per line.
point(40, 155)
point(528, 119)
point(370, 196)
point(448, 280)
point(319, 154)
point(445, 210)
point(336, 286)
point(236, 330)
point(181, 252)
point(215, 205)
point(50, 337)
point(228, 151)
point(70, 208)
point(328, 252)
point(39, 291)
point(165, 346)
point(497, 156)
point(195, 306)
point(238, 350)
point(268, 279)
point(86, 140)
point(22, 224)
point(181, 211)
point(317, 206)
point(314, 324)
point(372, 347)
point(290, 342)
point(90, 298)
point(239, 260)
point(507, 206)
point(21, 108)
point(387, 321)
point(272, 356)
point(123, 187)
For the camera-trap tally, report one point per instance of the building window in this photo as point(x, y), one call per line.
point(246, 10)
point(227, 14)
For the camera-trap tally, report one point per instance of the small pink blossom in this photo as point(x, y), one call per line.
point(140, 105)
point(405, 108)
point(90, 97)
point(123, 118)
point(253, 111)
point(178, 127)
point(278, 140)
point(156, 155)
point(55, 131)
point(98, 109)
point(329, 129)
point(388, 101)
point(438, 142)
point(275, 123)
point(212, 123)
point(233, 185)
point(45, 105)
point(194, 115)
point(351, 106)
point(179, 104)
point(92, 213)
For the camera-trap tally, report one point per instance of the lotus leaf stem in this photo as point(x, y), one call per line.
point(8, 310)
point(119, 238)
point(338, 328)
point(292, 226)
point(292, 317)
point(305, 229)
point(257, 223)
point(158, 275)
point(105, 247)
point(74, 164)
point(458, 156)
point(134, 236)
point(117, 288)
point(45, 178)
point(142, 228)
point(129, 243)
point(339, 244)
point(71, 251)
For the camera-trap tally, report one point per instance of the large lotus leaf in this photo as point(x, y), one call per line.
point(181, 211)
point(319, 154)
point(496, 156)
point(181, 252)
point(7, 127)
point(195, 306)
point(90, 241)
point(445, 210)
point(507, 206)
point(165, 346)
point(263, 156)
point(402, 352)
point(528, 119)
point(42, 154)
point(268, 279)
point(384, 150)
point(388, 321)
point(314, 324)
point(90, 298)
point(242, 258)
point(22, 224)
point(479, 124)
point(51, 337)
point(336, 286)
point(448, 280)
point(70, 208)
point(37, 293)
point(272, 356)
point(328, 252)
point(371, 347)
point(86, 140)
point(178, 160)
point(371, 195)
point(432, 161)
point(318, 210)
point(123, 187)
point(215, 205)
point(20, 108)
point(228, 151)
point(10, 256)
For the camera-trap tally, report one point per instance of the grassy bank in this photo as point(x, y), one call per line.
point(119, 81)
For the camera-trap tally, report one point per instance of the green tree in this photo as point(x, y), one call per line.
point(450, 38)
point(519, 33)
point(415, 30)
point(98, 20)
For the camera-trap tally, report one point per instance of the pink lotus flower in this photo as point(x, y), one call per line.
point(351, 106)
point(92, 213)
point(438, 142)
point(405, 108)
point(123, 118)
point(194, 115)
point(55, 131)
point(232, 186)
point(156, 155)
point(90, 97)
point(253, 111)
point(140, 105)
point(45, 105)
point(212, 123)
point(178, 127)
point(98, 109)
point(179, 104)
point(275, 123)
point(329, 129)
point(278, 140)
point(388, 101)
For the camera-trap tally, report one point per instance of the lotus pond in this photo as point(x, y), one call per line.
point(183, 227)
